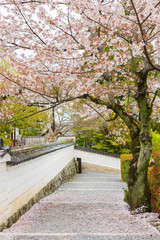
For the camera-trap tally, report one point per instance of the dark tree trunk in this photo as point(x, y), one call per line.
point(53, 121)
point(139, 192)
point(141, 145)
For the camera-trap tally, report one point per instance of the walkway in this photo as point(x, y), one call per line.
point(90, 207)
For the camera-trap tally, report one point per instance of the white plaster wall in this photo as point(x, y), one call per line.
point(69, 138)
point(18, 184)
point(99, 160)
point(34, 140)
point(3, 192)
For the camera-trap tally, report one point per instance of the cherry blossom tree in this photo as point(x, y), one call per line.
point(105, 52)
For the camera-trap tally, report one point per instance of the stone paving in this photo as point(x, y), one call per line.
point(89, 207)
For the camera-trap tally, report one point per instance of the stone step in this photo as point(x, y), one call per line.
point(77, 236)
point(83, 210)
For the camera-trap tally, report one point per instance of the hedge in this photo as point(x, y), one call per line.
point(154, 181)
point(125, 162)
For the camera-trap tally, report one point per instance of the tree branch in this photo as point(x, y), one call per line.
point(149, 14)
point(138, 20)
point(153, 35)
point(143, 38)
point(24, 2)
point(53, 105)
point(106, 120)
point(129, 120)
point(15, 45)
point(27, 116)
point(28, 23)
point(152, 102)
point(70, 34)
point(100, 24)
point(155, 67)
point(29, 89)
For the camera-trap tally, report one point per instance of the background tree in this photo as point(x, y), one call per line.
point(99, 134)
point(106, 52)
point(32, 126)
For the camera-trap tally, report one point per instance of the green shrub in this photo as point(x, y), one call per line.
point(156, 141)
point(125, 164)
point(6, 141)
point(153, 178)
point(125, 151)
point(154, 182)
point(126, 196)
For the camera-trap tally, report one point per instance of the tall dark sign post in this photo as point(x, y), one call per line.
point(79, 165)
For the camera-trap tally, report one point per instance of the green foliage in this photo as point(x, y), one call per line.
point(154, 182)
point(126, 196)
point(32, 126)
point(156, 125)
point(102, 143)
point(98, 141)
point(102, 136)
point(107, 49)
point(153, 178)
point(125, 164)
point(6, 141)
point(80, 141)
point(125, 151)
point(5, 134)
point(156, 141)
point(107, 146)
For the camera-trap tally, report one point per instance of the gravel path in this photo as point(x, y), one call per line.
point(89, 207)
